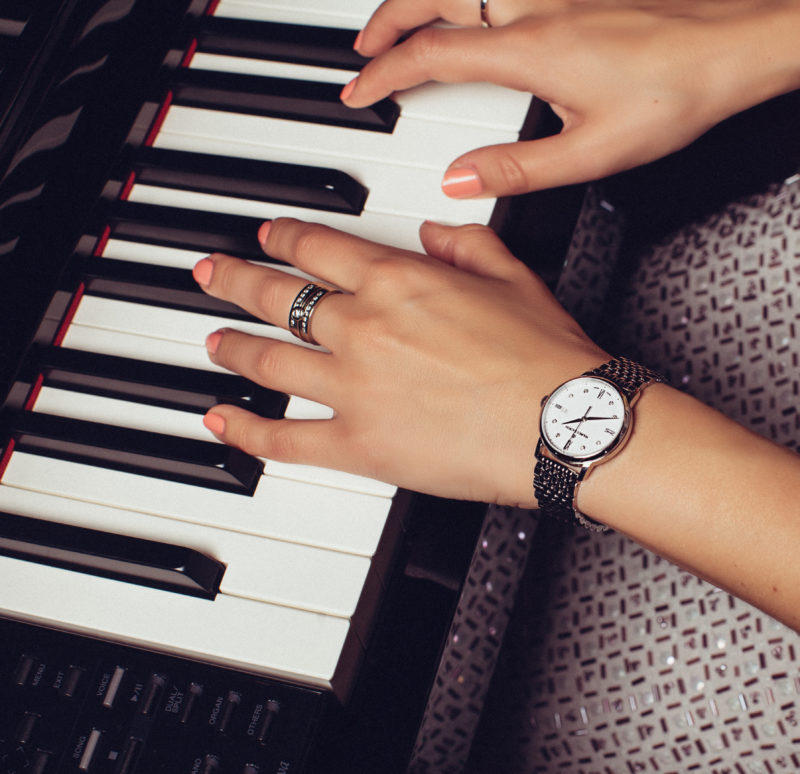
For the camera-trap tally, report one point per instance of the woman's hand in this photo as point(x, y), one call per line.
point(435, 365)
point(395, 18)
point(631, 80)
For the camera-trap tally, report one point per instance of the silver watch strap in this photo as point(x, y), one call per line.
point(554, 486)
point(629, 376)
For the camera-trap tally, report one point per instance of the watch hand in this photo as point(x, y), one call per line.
point(591, 418)
point(580, 419)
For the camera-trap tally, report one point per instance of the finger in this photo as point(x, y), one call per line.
point(275, 364)
point(263, 292)
point(305, 441)
point(438, 54)
point(586, 152)
point(394, 18)
point(473, 248)
point(332, 255)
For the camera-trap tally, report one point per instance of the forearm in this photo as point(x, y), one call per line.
point(757, 55)
point(702, 491)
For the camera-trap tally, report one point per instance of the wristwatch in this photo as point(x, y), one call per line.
point(584, 421)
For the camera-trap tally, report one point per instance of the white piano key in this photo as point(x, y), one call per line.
point(174, 257)
point(414, 142)
point(121, 413)
point(157, 255)
point(280, 509)
point(185, 424)
point(91, 339)
point(269, 68)
point(162, 323)
point(408, 192)
point(319, 13)
point(241, 633)
point(256, 568)
point(328, 477)
point(401, 231)
point(302, 408)
point(177, 353)
point(456, 104)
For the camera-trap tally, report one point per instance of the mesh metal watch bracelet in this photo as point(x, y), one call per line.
point(584, 421)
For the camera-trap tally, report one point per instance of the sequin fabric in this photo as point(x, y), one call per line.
point(615, 660)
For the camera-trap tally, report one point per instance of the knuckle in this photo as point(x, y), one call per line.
point(250, 437)
point(267, 363)
point(267, 296)
point(393, 272)
point(309, 241)
point(426, 46)
point(512, 173)
point(224, 276)
point(283, 443)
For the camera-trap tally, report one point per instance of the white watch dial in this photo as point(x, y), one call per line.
point(583, 418)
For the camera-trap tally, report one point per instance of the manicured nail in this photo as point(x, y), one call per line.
point(348, 90)
point(202, 272)
point(461, 183)
point(212, 342)
point(358, 40)
point(215, 423)
point(263, 232)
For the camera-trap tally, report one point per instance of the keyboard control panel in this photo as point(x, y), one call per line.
point(74, 704)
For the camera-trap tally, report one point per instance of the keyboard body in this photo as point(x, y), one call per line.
point(119, 142)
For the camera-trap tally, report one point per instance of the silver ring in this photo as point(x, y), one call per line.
point(485, 23)
point(303, 306)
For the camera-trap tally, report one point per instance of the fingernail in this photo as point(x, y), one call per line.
point(359, 38)
point(461, 183)
point(348, 90)
point(215, 423)
point(263, 232)
point(202, 272)
point(212, 342)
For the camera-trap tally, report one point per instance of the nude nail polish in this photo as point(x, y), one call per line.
point(462, 183)
point(203, 271)
point(212, 342)
point(358, 40)
point(215, 423)
point(348, 89)
point(263, 232)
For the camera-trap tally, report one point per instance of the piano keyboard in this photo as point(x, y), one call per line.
point(307, 552)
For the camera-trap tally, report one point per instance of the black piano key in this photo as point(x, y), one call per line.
point(133, 560)
point(13, 17)
point(18, 10)
point(144, 283)
point(300, 186)
point(181, 228)
point(157, 384)
point(299, 44)
point(201, 463)
point(279, 98)
point(10, 30)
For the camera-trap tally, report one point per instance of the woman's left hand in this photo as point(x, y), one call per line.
point(435, 364)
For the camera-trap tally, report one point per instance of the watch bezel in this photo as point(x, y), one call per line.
point(608, 451)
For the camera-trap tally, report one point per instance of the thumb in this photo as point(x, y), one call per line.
point(579, 154)
point(472, 248)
